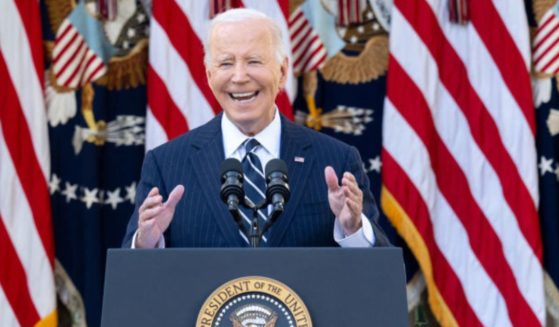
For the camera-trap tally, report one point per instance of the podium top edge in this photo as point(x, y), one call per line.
point(274, 249)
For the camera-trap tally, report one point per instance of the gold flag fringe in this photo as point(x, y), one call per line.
point(552, 301)
point(405, 227)
point(70, 298)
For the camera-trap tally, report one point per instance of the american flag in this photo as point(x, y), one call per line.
point(179, 97)
point(309, 53)
point(349, 11)
point(546, 43)
point(546, 98)
point(219, 6)
point(459, 160)
point(27, 294)
point(81, 49)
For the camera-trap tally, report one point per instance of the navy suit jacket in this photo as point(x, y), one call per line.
point(201, 218)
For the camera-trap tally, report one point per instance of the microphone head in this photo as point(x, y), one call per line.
point(275, 165)
point(277, 181)
point(231, 164)
point(232, 181)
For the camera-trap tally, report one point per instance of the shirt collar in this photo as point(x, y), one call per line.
point(269, 138)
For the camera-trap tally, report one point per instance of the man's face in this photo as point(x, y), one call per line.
point(244, 73)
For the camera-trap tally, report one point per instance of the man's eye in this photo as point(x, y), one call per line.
point(225, 64)
point(254, 62)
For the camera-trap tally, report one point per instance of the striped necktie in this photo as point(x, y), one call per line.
point(254, 185)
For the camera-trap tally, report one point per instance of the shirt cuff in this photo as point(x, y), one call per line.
point(363, 237)
point(160, 244)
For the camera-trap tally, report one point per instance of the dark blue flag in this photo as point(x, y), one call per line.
point(547, 139)
point(96, 140)
point(544, 19)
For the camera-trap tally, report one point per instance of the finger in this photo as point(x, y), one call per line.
point(150, 202)
point(153, 191)
point(331, 179)
point(174, 197)
point(349, 179)
point(151, 213)
point(350, 182)
point(353, 192)
point(355, 207)
point(349, 176)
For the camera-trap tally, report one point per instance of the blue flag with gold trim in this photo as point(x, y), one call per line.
point(96, 130)
point(546, 97)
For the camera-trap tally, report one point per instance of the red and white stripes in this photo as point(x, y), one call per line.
point(179, 97)
point(459, 160)
point(546, 40)
point(349, 11)
point(308, 50)
point(74, 63)
point(219, 6)
point(27, 294)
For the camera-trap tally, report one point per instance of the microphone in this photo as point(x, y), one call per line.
point(232, 191)
point(277, 192)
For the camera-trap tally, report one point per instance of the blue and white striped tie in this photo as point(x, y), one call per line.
point(254, 185)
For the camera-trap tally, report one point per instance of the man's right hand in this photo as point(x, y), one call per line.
point(155, 216)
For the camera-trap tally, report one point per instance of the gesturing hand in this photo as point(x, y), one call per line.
point(346, 201)
point(155, 216)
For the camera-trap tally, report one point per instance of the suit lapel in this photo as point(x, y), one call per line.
point(208, 147)
point(295, 147)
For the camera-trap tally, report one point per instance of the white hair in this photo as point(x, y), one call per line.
point(245, 14)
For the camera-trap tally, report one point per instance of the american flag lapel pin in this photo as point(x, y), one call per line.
point(299, 159)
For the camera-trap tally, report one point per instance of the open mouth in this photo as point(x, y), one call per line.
point(245, 96)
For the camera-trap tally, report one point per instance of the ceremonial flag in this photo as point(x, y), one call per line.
point(27, 294)
point(545, 85)
point(81, 51)
point(459, 161)
point(96, 100)
point(309, 52)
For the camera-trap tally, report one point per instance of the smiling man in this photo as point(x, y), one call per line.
point(178, 198)
point(246, 69)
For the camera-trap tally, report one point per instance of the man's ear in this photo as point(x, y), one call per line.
point(209, 77)
point(284, 68)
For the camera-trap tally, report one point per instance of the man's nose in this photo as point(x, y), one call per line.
point(240, 73)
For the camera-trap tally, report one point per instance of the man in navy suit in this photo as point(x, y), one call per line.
point(246, 68)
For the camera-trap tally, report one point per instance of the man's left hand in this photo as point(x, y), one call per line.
point(346, 200)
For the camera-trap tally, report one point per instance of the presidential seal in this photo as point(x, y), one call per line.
point(254, 301)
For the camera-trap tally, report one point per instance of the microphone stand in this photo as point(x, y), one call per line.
point(255, 235)
point(277, 210)
point(237, 217)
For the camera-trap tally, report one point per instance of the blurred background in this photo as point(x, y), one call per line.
point(453, 105)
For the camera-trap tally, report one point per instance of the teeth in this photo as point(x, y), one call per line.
point(243, 95)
